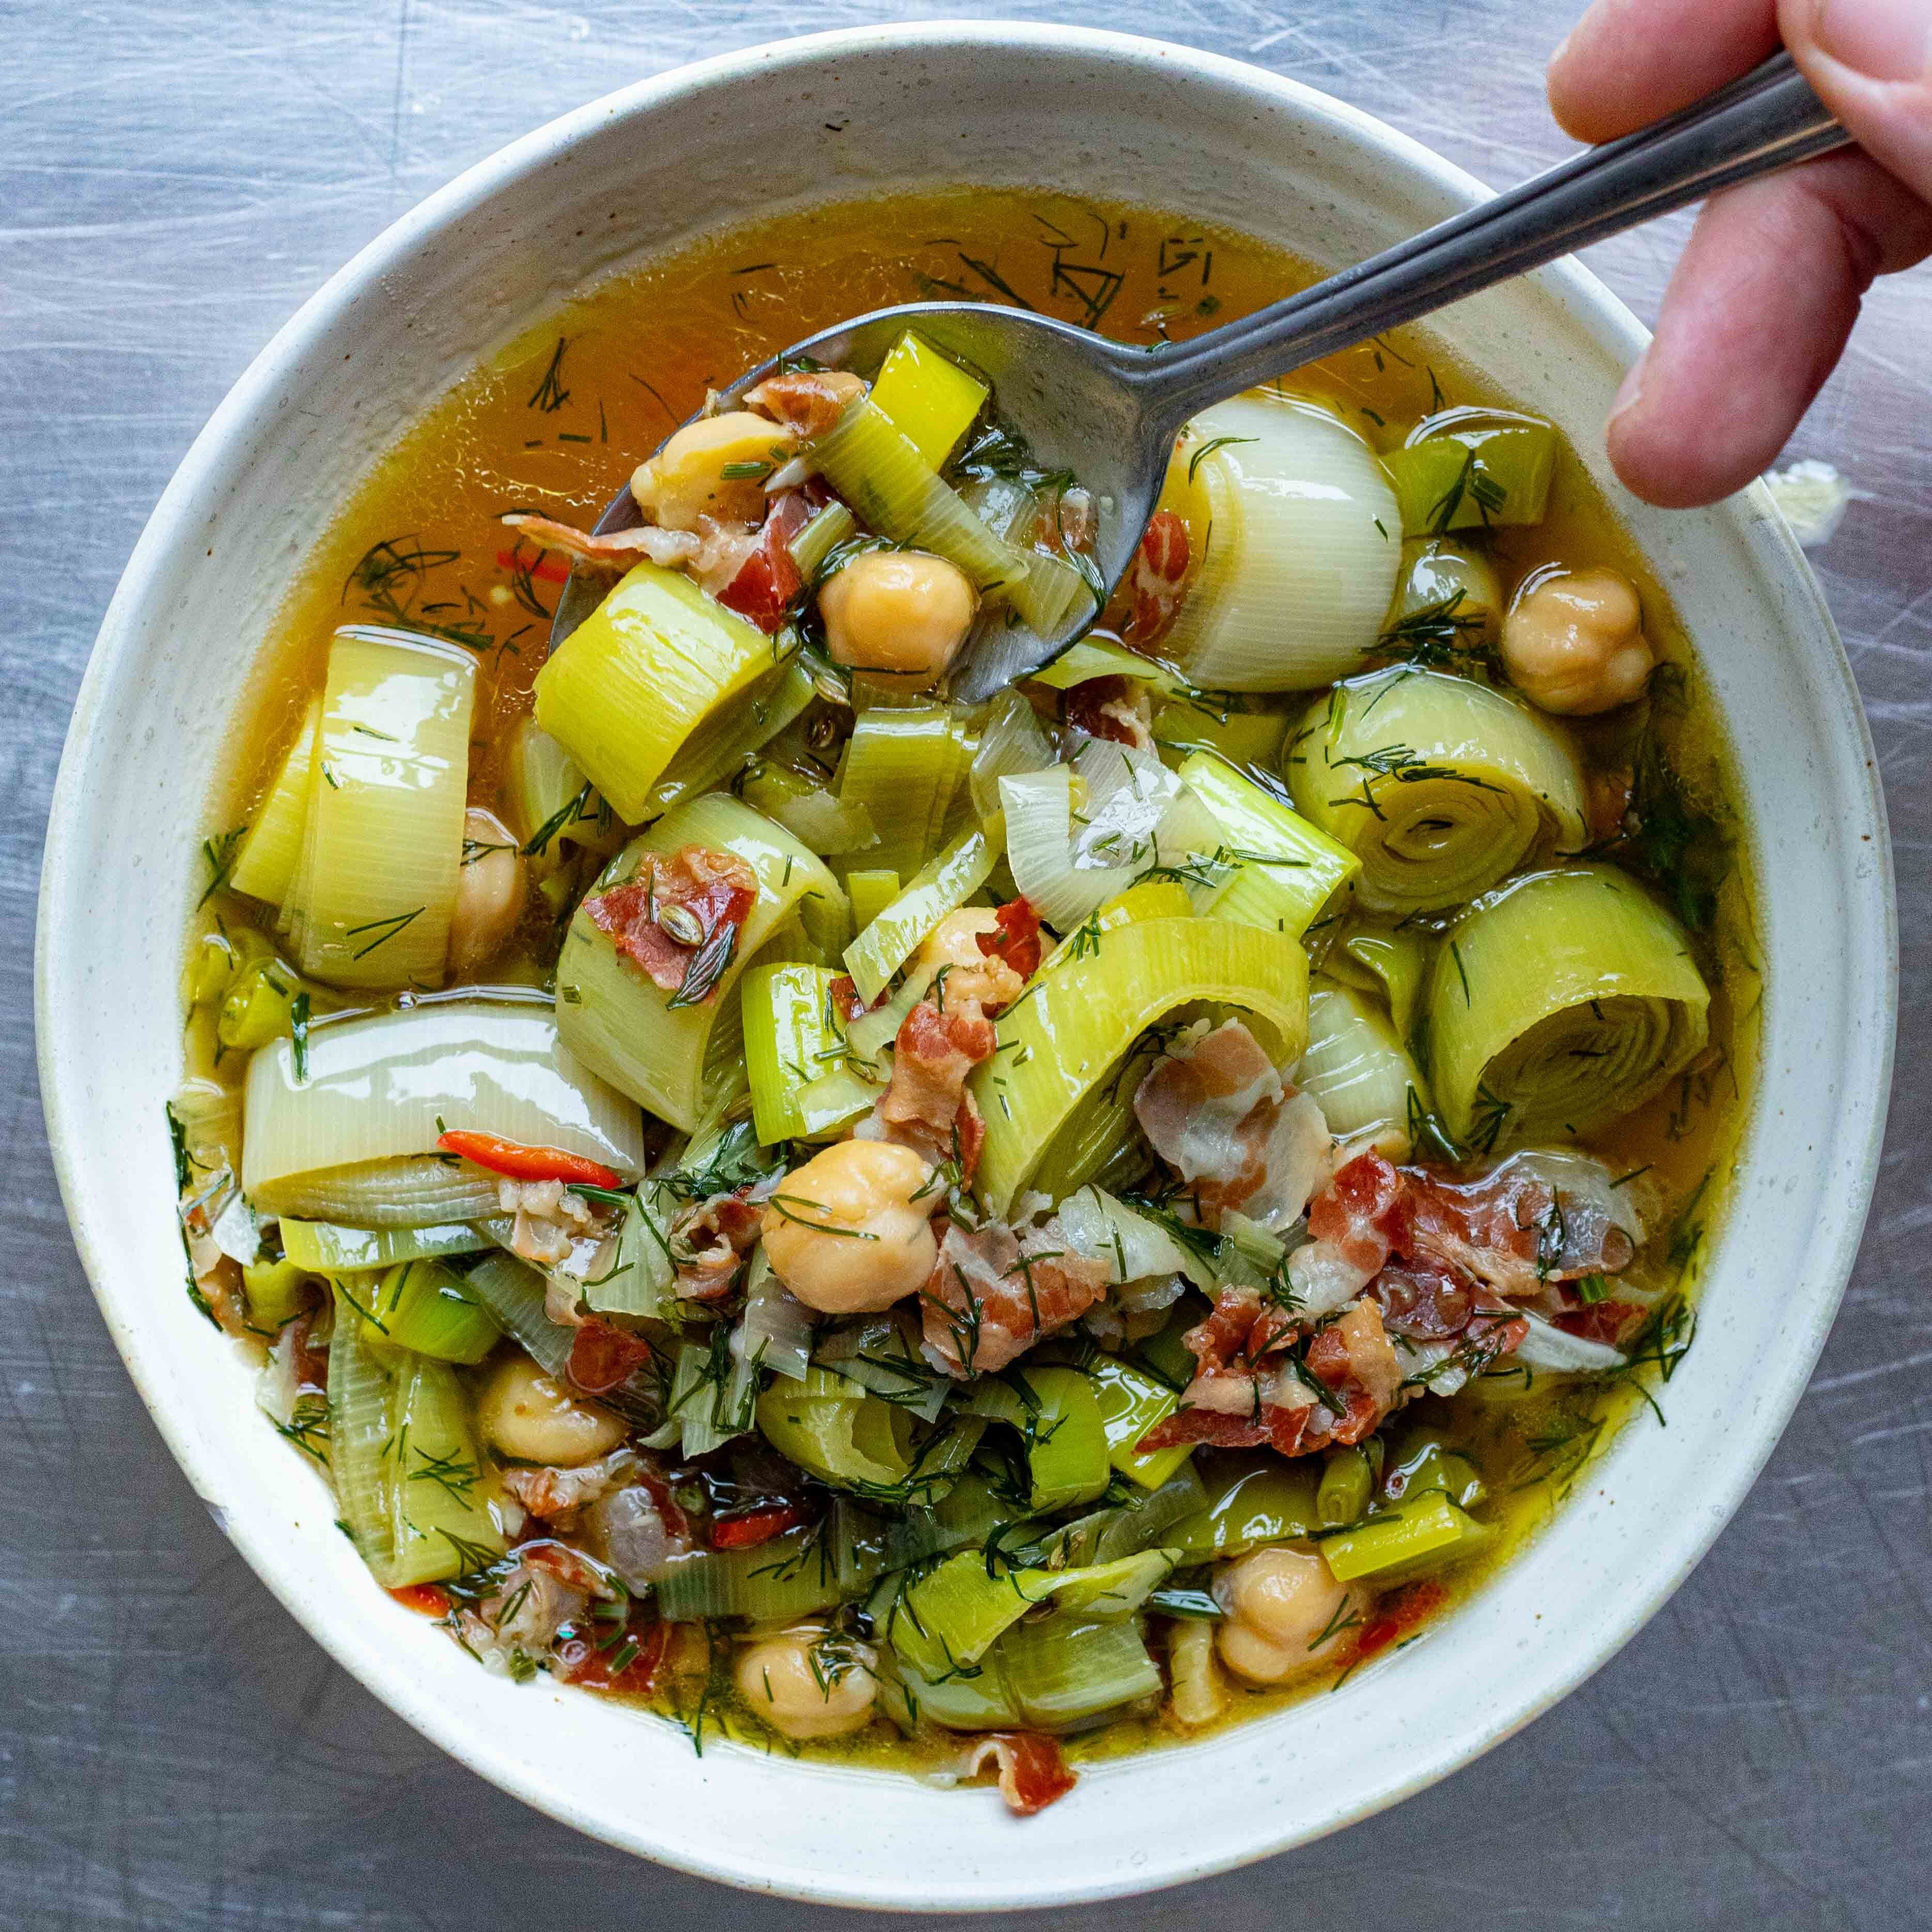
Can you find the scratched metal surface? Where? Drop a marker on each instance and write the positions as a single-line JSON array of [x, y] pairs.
[[174, 1751]]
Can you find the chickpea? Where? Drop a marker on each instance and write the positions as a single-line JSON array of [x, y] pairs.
[[897, 610], [491, 886], [953, 946], [1443, 575], [532, 1418], [1285, 1613], [848, 1232], [807, 1684], [686, 479], [1573, 642]]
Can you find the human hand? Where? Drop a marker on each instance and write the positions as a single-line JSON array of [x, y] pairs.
[[1759, 308]]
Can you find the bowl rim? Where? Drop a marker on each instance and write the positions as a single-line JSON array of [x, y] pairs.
[[1836, 1230]]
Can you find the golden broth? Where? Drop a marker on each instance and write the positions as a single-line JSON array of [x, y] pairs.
[[556, 423]]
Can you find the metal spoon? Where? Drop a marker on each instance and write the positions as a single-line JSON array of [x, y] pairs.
[[1110, 413]]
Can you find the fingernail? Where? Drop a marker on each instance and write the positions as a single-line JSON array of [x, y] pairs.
[[1883, 39], [1631, 392]]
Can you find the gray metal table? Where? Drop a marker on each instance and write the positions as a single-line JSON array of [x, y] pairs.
[[174, 1751]]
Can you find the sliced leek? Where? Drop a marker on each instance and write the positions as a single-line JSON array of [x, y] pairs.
[[551, 804], [1062, 1039], [732, 736], [359, 1426], [1288, 874], [325, 1248], [638, 676], [1291, 587], [269, 854], [881, 473], [386, 1087], [621, 1024], [1558, 1003], [941, 887], [1439, 784], [1360, 1073], [370, 902], [927, 397], [907, 769], [441, 1523], [794, 1038]]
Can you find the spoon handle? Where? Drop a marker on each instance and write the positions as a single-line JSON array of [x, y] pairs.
[[1769, 119]]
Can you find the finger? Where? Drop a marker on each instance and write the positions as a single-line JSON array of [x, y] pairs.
[[1756, 315], [1871, 62], [1628, 63]]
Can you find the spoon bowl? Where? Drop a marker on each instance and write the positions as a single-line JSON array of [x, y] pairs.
[[1110, 414]]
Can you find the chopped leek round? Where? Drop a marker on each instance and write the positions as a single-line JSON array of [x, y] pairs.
[[377, 1088], [632, 683], [266, 862], [1305, 542], [370, 902], [1440, 785], [1360, 1073], [1063, 1038], [624, 1027], [1559, 1002]]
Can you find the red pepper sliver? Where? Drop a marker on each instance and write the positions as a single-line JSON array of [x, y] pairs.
[[527, 1163], [754, 1527], [551, 569], [428, 1600]]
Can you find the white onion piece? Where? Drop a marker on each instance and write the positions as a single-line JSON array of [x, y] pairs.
[[1556, 1352], [377, 1088], [1103, 1229], [1135, 814], [1013, 742], [1307, 541]]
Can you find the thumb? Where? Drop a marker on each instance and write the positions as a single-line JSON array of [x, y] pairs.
[[1871, 62]]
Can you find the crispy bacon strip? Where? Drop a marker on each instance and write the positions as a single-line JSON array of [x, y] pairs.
[[932, 1055], [994, 1292], [1032, 1772], [1115, 708], [809, 400], [622, 1663], [1217, 1110], [1249, 1393], [715, 1235], [557, 1494], [768, 579], [1160, 567], [1017, 941], [616, 549], [603, 1358], [718, 888]]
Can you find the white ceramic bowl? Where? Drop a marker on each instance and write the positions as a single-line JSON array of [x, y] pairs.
[[854, 113]]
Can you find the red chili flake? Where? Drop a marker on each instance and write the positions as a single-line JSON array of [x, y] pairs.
[[427, 1600], [750, 1528], [520, 1162], [603, 1356], [552, 569], [623, 1663]]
